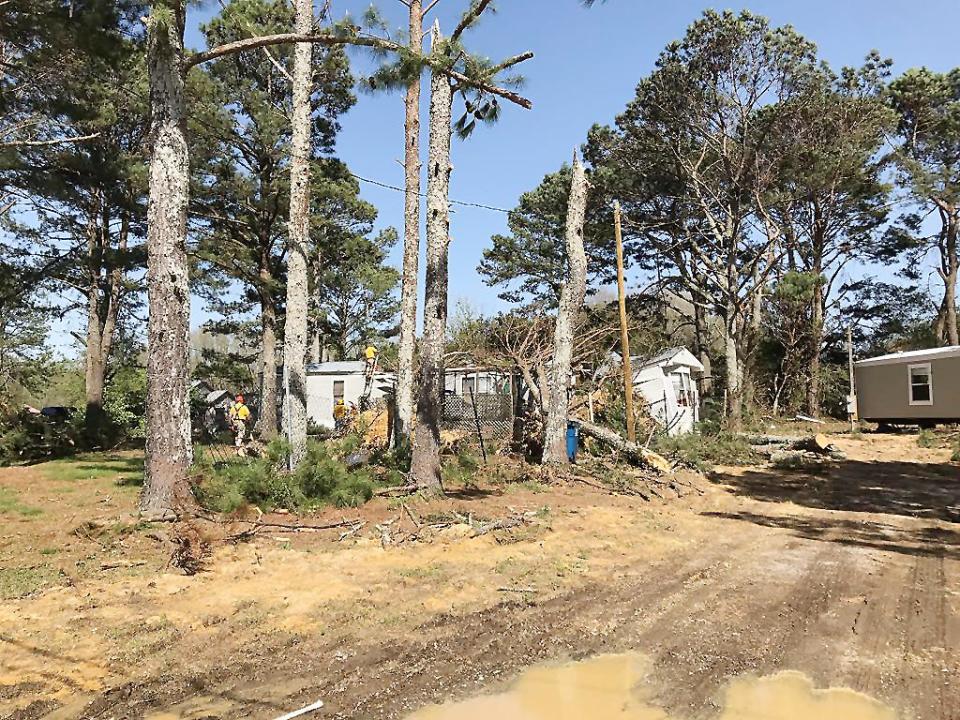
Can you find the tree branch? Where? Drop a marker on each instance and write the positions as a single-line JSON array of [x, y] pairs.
[[39, 143], [360, 41], [469, 18]]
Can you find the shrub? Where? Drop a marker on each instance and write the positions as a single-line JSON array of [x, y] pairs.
[[25, 437], [926, 439], [320, 479], [353, 492]]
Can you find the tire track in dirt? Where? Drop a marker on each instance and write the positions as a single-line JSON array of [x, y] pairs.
[[452, 655], [747, 599]]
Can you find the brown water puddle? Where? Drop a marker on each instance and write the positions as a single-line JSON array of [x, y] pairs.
[[609, 687]]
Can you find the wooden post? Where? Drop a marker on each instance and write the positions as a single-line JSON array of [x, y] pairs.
[[476, 419], [852, 400], [624, 335]]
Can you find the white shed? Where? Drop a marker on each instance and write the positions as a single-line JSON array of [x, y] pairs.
[[328, 382], [481, 381], [668, 382]]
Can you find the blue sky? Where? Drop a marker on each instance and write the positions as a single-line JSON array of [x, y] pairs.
[[586, 67]]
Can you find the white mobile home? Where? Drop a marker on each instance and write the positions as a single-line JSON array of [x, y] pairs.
[[668, 382], [331, 381], [921, 387], [481, 381]]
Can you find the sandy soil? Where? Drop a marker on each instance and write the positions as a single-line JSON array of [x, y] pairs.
[[850, 576]]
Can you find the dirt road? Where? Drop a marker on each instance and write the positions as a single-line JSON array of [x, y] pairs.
[[850, 576]]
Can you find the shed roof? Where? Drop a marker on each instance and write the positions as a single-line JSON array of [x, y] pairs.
[[671, 356], [341, 367], [215, 396], [911, 356]]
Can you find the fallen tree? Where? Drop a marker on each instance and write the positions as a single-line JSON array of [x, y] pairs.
[[635, 453]]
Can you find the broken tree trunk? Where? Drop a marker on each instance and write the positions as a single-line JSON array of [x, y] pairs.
[[169, 452], [295, 329], [636, 453], [425, 464], [411, 241], [571, 300]]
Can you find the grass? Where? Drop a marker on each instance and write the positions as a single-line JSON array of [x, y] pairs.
[[127, 469], [20, 582], [10, 504]]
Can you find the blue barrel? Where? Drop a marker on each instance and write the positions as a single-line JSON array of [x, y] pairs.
[[573, 441]]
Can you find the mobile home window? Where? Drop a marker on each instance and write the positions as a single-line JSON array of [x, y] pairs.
[[921, 384], [337, 390], [468, 386]]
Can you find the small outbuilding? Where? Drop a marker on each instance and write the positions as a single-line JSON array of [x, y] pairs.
[[920, 387], [332, 381], [668, 382]]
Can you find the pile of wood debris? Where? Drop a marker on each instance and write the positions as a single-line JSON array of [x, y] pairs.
[[780, 449]]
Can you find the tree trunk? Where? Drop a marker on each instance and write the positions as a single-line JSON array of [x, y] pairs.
[[103, 305], [950, 282], [411, 241], [571, 300], [169, 452], [816, 342], [734, 374], [295, 329], [702, 342], [267, 422], [315, 347], [635, 453], [425, 464], [95, 370]]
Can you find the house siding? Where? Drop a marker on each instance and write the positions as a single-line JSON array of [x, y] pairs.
[[883, 390]]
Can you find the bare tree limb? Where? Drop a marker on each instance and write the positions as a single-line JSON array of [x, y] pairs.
[[39, 143]]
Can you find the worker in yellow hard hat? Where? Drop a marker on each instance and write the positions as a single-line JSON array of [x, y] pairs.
[[370, 355], [239, 415], [339, 414]]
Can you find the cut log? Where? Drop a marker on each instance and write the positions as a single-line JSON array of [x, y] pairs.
[[754, 439], [634, 452], [815, 443]]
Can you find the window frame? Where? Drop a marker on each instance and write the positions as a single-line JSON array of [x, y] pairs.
[[910, 384], [343, 390]]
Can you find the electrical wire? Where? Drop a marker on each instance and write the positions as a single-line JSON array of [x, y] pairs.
[[462, 203]]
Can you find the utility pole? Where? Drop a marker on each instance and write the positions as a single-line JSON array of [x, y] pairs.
[[852, 399], [624, 335]]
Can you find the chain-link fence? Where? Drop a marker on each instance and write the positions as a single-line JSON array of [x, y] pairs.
[[493, 412]]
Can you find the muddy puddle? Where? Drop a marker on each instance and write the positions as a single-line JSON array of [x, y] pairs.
[[611, 687]]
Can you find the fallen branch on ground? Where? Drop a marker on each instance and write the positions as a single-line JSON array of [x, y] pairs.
[[635, 453], [399, 489], [122, 564]]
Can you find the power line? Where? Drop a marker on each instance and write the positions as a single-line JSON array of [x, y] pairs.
[[420, 194]]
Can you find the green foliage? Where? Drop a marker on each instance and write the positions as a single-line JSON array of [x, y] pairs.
[[926, 439], [321, 479], [703, 451], [25, 436], [530, 263], [124, 402]]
